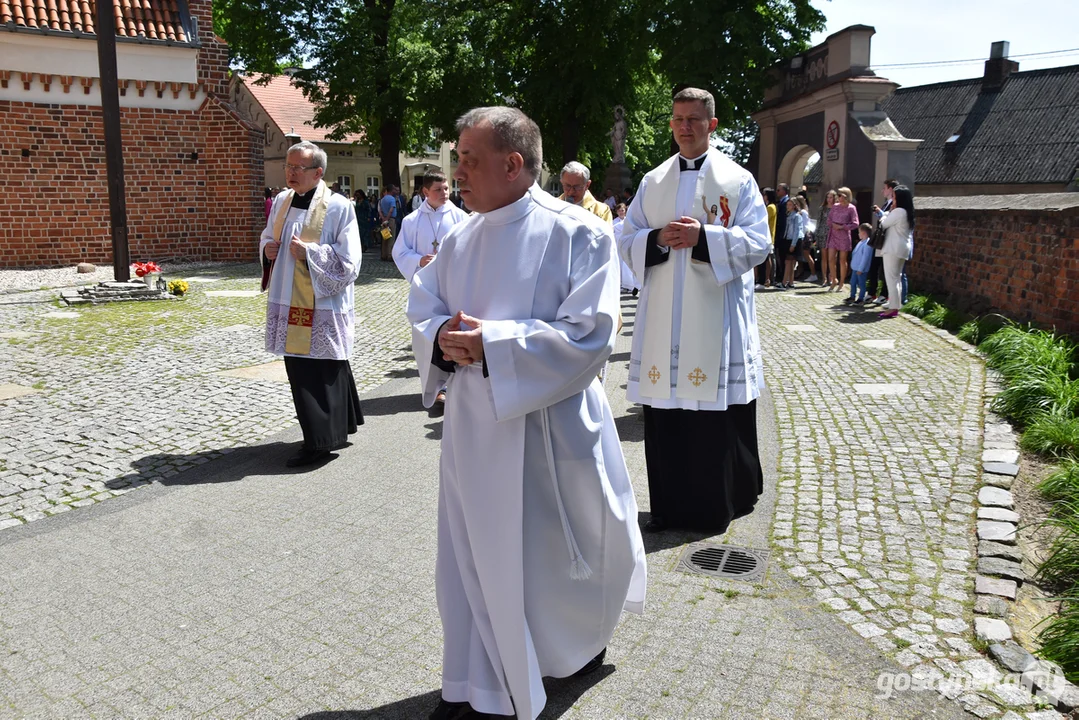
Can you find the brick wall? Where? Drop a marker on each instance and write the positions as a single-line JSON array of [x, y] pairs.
[[56, 200], [1016, 254]]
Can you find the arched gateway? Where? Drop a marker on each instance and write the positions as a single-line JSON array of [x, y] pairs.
[[827, 101]]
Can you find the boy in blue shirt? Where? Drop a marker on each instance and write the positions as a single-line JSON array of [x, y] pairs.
[[860, 261]]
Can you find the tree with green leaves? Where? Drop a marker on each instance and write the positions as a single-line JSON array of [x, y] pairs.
[[400, 73]]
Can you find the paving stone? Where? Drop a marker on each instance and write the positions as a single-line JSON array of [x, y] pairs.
[[990, 605], [10, 391], [1011, 695], [997, 455], [998, 514], [1001, 568], [1001, 532], [1043, 715], [994, 586], [995, 497], [886, 344], [1009, 469], [988, 548], [881, 388], [1004, 482], [1012, 656], [991, 629], [802, 328]]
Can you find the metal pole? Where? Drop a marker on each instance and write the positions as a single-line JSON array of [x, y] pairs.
[[114, 153]]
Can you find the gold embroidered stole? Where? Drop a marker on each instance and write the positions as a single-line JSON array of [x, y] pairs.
[[301, 311], [701, 340]]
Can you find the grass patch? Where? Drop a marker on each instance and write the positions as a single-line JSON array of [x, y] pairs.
[[1063, 483], [944, 317], [1052, 434], [1060, 639], [919, 305], [1060, 570], [974, 331]]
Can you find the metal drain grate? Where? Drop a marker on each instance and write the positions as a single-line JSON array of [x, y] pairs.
[[724, 561]]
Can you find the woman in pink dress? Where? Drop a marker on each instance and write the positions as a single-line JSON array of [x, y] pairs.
[[841, 220]]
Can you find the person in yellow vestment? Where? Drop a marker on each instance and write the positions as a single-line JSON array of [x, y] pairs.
[[575, 181], [311, 252]]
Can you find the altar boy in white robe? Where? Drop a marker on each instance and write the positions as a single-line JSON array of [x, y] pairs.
[[422, 232], [538, 546], [695, 361], [311, 254]]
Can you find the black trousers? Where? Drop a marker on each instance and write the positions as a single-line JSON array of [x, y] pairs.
[[875, 278], [704, 468], [327, 405]]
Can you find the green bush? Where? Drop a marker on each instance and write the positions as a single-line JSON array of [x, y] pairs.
[[1036, 392], [1063, 483], [1060, 639], [919, 305], [975, 331], [1053, 434], [1019, 351], [944, 317], [1061, 568]]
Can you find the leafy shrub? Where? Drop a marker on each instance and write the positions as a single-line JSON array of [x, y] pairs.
[[919, 305], [1060, 639], [1063, 483], [1053, 434]]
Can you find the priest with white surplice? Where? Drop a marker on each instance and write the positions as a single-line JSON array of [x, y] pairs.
[[538, 546], [311, 253], [695, 361]]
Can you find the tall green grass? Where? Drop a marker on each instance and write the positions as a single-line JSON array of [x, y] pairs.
[[1063, 483], [1059, 641], [1041, 393]]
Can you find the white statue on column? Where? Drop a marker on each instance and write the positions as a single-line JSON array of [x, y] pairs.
[[618, 135]]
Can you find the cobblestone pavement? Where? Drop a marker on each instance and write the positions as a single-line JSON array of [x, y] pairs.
[[881, 425], [241, 589], [123, 395], [231, 588]]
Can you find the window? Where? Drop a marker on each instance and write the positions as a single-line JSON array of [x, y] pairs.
[[345, 181], [372, 185]]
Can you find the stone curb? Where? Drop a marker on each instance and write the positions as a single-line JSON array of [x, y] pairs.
[[999, 574]]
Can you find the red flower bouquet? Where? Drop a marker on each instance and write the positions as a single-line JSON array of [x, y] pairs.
[[142, 269]]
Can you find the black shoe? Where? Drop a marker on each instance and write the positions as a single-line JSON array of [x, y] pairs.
[[655, 524], [634, 292], [307, 457], [592, 665], [451, 711]]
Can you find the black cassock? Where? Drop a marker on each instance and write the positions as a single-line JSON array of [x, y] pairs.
[[703, 466], [327, 404]]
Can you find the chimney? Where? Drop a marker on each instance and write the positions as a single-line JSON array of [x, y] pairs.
[[998, 67]]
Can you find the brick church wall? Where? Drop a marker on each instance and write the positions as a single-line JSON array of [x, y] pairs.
[[53, 177], [1015, 254]]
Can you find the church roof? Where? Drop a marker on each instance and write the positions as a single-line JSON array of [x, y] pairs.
[[290, 110], [1027, 132], [163, 20]]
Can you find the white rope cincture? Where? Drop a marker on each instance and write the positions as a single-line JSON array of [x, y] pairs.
[[578, 568]]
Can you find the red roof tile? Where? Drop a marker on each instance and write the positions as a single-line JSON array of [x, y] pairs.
[[286, 104], [150, 19]]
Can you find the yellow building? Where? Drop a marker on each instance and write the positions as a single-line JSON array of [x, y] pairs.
[[287, 117]]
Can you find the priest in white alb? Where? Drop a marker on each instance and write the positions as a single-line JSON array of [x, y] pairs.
[[695, 361], [422, 232], [538, 546], [310, 253]]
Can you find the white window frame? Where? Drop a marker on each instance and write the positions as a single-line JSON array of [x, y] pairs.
[[345, 181], [374, 185]]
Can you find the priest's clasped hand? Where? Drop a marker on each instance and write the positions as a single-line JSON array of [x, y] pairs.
[[271, 249], [461, 339], [426, 259], [298, 248], [681, 233]]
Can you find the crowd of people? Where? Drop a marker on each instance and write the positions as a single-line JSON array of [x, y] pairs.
[[803, 243]]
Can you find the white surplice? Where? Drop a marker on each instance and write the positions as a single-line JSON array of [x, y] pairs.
[[629, 282], [334, 265], [420, 232], [733, 253], [513, 531]]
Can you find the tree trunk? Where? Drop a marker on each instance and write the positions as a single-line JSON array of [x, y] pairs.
[[380, 13], [389, 152]]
